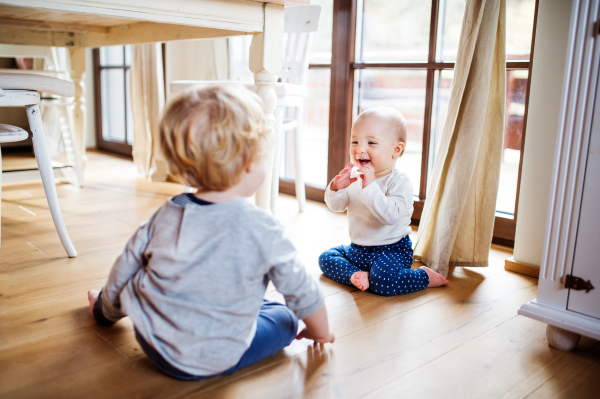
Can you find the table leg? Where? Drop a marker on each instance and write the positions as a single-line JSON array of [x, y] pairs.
[[265, 83], [266, 53], [77, 71]]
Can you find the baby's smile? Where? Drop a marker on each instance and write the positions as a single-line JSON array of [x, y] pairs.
[[363, 160]]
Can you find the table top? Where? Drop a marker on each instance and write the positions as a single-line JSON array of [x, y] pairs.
[[86, 23]]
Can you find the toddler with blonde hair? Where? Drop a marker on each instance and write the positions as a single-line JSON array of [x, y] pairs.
[[193, 277]]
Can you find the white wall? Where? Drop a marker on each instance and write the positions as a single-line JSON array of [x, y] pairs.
[[542, 126]]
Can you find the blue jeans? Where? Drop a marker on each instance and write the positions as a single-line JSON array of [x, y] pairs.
[[388, 266], [276, 328]]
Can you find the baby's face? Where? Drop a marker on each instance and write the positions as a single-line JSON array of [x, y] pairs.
[[372, 144]]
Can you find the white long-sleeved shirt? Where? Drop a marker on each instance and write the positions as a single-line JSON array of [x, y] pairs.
[[378, 214]]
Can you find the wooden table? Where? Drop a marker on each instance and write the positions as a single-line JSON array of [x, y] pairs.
[[77, 24]]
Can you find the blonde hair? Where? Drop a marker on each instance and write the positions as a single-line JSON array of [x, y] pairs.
[[391, 116], [209, 135]]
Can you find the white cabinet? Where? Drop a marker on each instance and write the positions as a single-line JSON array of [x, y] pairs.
[[569, 287], [586, 262]]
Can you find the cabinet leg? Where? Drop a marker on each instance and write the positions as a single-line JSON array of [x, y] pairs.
[[562, 339]]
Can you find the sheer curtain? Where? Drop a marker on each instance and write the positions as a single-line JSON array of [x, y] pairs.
[[457, 223], [147, 101], [204, 59]]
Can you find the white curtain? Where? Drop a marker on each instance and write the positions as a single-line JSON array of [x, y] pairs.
[[147, 102], [204, 59], [185, 60], [457, 223]]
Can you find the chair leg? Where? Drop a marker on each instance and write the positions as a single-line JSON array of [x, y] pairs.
[[277, 157], [45, 167], [70, 145], [300, 190]]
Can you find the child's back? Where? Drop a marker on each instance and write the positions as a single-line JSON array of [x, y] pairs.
[[197, 296]]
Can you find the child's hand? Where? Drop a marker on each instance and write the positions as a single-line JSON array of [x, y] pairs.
[[92, 297], [343, 180], [305, 333], [367, 174]]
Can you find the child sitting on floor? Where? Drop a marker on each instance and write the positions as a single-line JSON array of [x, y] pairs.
[[379, 200], [193, 277]]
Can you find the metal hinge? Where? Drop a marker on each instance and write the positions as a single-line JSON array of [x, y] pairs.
[[578, 284]]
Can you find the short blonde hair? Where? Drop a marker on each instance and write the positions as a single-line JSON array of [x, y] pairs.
[[210, 134], [391, 116]]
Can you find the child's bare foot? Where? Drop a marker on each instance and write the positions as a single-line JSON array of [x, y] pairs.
[[92, 297], [360, 280], [435, 279]]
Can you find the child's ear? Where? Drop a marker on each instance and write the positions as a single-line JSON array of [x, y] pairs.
[[399, 149], [254, 165]]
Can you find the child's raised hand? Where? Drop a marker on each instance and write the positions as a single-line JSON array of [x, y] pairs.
[[343, 179], [367, 174], [305, 333]]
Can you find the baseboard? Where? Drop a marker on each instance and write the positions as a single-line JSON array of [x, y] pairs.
[[527, 269]]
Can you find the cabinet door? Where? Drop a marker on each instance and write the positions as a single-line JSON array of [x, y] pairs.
[[586, 262]]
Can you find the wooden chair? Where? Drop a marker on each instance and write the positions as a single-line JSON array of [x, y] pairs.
[[18, 90], [300, 24], [52, 66]]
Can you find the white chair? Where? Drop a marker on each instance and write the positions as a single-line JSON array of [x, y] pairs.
[[55, 64], [300, 24], [18, 90]]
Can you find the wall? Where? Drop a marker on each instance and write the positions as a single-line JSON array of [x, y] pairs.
[[542, 126]]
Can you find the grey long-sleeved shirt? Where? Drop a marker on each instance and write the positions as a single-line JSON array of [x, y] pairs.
[[193, 277]]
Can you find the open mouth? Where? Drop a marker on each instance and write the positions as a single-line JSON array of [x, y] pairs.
[[363, 162]]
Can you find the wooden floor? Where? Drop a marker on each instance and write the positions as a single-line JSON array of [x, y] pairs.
[[462, 341]]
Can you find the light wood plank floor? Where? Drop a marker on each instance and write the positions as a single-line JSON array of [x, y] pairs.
[[461, 341]]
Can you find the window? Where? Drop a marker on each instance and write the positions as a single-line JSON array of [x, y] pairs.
[[401, 54], [114, 131]]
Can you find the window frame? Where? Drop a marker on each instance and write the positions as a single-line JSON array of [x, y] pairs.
[[343, 66], [117, 147]]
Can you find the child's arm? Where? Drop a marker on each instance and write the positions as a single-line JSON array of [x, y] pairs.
[[317, 327], [105, 306], [391, 207], [301, 291], [336, 196]]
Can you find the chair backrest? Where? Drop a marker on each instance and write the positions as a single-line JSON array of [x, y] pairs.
[[36, 82], [300, 23], [56, 60]]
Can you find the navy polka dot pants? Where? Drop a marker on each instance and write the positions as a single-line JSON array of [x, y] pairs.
[[388, 267]]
